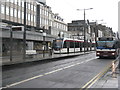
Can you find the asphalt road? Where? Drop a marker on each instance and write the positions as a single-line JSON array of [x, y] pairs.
[[72, 72]]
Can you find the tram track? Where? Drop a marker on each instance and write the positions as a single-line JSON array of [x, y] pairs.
[[48, 73], [74, 72]]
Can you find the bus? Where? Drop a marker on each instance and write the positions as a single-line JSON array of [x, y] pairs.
[[69, 45], [107, 47]]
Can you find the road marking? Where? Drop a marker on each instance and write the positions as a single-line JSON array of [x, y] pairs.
[[101, 74], [57, 70], [23, 81], [97, 77]]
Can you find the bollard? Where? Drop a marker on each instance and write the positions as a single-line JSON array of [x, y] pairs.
[[113, 69]]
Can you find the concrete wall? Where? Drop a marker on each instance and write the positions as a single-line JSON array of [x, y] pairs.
[[29, 35]]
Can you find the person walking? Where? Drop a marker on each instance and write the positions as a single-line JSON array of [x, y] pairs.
[[50, 51]]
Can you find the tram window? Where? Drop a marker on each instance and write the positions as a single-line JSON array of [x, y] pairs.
[[71, 44], [77, 44], [81, 44], [65, 44]]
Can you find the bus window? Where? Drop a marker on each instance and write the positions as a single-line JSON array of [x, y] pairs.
[[105, 44]]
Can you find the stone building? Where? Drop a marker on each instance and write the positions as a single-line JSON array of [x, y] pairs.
[[39, 19]]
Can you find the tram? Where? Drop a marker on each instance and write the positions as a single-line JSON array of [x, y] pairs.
[[68, 45], [107, 47]]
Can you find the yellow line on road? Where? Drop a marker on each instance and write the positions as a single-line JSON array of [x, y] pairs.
[[97, 77]]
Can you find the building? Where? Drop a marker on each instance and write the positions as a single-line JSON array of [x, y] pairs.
[[100, 30], [77, 28], [39, 19], [59, 27]]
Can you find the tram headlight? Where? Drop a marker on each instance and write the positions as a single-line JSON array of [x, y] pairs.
[[113, 53]]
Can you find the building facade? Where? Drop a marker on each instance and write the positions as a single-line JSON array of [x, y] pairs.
[[77, 27], [59, 27], [39, 19]]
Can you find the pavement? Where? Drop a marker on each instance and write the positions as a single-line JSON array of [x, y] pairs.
[[109, 81], [38, 57]]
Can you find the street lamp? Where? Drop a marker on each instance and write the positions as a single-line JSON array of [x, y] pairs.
[[11, 41], [84, 24], [44, 35], [24, 33]]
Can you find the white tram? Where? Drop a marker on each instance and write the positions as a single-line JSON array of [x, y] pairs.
[[67, 45]]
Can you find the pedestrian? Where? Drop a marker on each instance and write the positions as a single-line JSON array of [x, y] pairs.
[[50, 50]]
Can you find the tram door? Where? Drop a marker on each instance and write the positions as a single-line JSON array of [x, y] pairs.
[[80, 45], [68, 46]]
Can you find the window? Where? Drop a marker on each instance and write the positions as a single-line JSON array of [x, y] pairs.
[[28, 5], [11, 11], [22, 3], [15, 1], [31, 18], [40, 10], [22, 15], [40, 21], [45, 13], [12, 1], [28, 17], [2, 9], [7, 10], [34, 8], [15, 13], [19, 2], [72, 44], [31, 7], [19, 14], [34, 19]]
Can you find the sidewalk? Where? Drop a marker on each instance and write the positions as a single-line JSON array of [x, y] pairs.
[[38, 57], [108, 81]]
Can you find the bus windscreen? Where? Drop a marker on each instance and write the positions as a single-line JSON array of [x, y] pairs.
[[105, 45]]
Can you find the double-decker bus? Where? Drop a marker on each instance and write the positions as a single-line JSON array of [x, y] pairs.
[[107, 47]]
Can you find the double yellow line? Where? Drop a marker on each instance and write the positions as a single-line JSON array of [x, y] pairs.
[[97, 77]]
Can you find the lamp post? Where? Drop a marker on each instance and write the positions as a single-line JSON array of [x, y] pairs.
[[11, 41], [24, 33], [84, 24], [44, 35]]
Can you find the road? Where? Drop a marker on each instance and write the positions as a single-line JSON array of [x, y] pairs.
[[72, 72]]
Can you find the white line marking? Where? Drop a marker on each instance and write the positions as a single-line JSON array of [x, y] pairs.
[[60, 69]]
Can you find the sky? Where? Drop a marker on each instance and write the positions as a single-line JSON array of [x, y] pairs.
[[104, 11]]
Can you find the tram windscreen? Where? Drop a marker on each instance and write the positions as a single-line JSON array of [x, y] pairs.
[[105, 44], [58, 43]]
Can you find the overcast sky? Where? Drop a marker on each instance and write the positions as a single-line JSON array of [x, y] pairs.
[[102, 9]]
